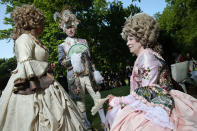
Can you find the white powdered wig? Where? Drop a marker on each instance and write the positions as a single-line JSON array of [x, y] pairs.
[[77, 63], [98, 77]]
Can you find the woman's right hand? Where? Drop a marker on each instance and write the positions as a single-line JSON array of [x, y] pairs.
[[110, 97]]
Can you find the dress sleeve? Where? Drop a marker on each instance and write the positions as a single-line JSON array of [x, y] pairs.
[[62, 59], [27, 66], [62, 54], [148, 69]]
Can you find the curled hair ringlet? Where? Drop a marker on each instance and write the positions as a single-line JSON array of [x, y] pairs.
[[26, 18], [144, 29], [66, 7]]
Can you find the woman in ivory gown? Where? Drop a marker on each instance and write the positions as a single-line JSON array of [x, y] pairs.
[[153, 104], [33, 100]]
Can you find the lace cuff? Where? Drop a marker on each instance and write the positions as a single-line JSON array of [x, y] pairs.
[[122, 100], [115, 101]]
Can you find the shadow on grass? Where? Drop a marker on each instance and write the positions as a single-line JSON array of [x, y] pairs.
[[95, 120]]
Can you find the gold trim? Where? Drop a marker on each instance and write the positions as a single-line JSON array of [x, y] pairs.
[[38, 42]]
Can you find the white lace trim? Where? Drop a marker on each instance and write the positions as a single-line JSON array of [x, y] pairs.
[[155, 114]]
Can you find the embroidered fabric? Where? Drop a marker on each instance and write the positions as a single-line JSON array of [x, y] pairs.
[[68, 42], [146, 65]]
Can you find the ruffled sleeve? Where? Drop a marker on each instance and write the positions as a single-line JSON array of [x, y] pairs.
[[27, 66]]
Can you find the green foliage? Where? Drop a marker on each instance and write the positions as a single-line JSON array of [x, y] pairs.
[[101, 24], [100, 6], [6, 66], [179, 21], [5, 34]]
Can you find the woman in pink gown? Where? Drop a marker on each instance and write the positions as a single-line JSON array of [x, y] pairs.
[[152, 103]]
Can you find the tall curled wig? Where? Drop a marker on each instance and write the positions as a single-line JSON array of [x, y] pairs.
[[26, 18], [144, 29], [66, 18]]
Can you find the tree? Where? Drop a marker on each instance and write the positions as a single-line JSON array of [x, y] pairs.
[[6, 66], [179, 21]]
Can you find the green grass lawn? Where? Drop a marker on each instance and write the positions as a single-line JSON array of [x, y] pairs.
[[95, 120]]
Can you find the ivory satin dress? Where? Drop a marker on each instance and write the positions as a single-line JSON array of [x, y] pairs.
[[49, 109]]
